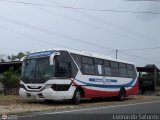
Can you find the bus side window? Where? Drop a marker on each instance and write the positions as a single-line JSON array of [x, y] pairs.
[[98, 66], [123, 70], [63, 65], [78, 60], [63, 69], [134, 71], [107, 69], [73, 65], [88, 66], [130, 71], [115, 72]]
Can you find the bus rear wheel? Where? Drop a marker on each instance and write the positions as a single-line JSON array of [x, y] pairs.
[[121, 95], [76, 98]]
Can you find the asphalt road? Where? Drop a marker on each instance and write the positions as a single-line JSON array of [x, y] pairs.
[[141, 111]]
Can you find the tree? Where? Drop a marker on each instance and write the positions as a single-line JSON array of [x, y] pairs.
[[10, 78], [151, 75], [151, 66], [18, 56]]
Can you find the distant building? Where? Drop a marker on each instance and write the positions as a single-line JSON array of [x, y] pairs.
[[150, 82], [5, 66]]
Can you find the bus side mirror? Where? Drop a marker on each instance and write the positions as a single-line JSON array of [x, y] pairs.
[[51, 59]]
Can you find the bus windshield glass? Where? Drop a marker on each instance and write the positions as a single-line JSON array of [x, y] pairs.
[[37, 70]]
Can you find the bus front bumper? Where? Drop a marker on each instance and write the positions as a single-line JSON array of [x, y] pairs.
[[47, 94]]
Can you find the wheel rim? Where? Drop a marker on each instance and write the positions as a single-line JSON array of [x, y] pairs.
[[78, 96], [122, 95]]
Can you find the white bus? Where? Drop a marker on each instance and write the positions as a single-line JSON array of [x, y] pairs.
[[62, 74]]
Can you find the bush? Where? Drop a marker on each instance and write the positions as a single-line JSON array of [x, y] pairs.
[[158, 82], [11, 79]]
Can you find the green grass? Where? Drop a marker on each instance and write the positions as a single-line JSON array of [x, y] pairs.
[[9, 97]]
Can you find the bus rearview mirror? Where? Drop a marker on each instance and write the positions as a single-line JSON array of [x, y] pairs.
[[52, 57]]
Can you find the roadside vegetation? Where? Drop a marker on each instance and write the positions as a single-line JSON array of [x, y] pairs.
[[13, 104], [151, 74], [17, 57], [10, 81], [11, 78]]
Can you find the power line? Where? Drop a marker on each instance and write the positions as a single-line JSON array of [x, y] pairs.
[[139, 57], [106, 22], [87, 9], [91, 25], [113, 51], [149, 40], [97, 27], [67, 37], [30, 26], [141, 49], [63, 46], [51, 32], [30, 37], [144, 0], [94, 26], [8, 49], [33, 38]]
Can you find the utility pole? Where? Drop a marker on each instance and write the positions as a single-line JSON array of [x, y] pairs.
[[116, 54], [155, 78]]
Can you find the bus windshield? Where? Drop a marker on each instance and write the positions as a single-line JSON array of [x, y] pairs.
[[37, 70]]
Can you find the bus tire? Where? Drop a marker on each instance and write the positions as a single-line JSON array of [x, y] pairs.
[[77, 97], [121, 95]]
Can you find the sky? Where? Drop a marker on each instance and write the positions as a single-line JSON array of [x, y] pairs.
[[98, 27]]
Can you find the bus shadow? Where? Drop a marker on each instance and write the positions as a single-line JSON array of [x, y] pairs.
[[83, 101]]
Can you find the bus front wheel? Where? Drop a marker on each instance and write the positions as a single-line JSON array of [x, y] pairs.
[[77, 97]]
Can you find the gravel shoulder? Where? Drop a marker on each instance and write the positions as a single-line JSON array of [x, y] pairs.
[[16, 105]]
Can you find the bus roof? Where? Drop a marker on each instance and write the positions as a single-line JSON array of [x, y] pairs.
[[84, 53], [91, 54]]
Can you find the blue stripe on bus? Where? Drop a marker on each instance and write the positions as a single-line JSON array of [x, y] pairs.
[[130, 84], [40, 54], [101, 80]]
